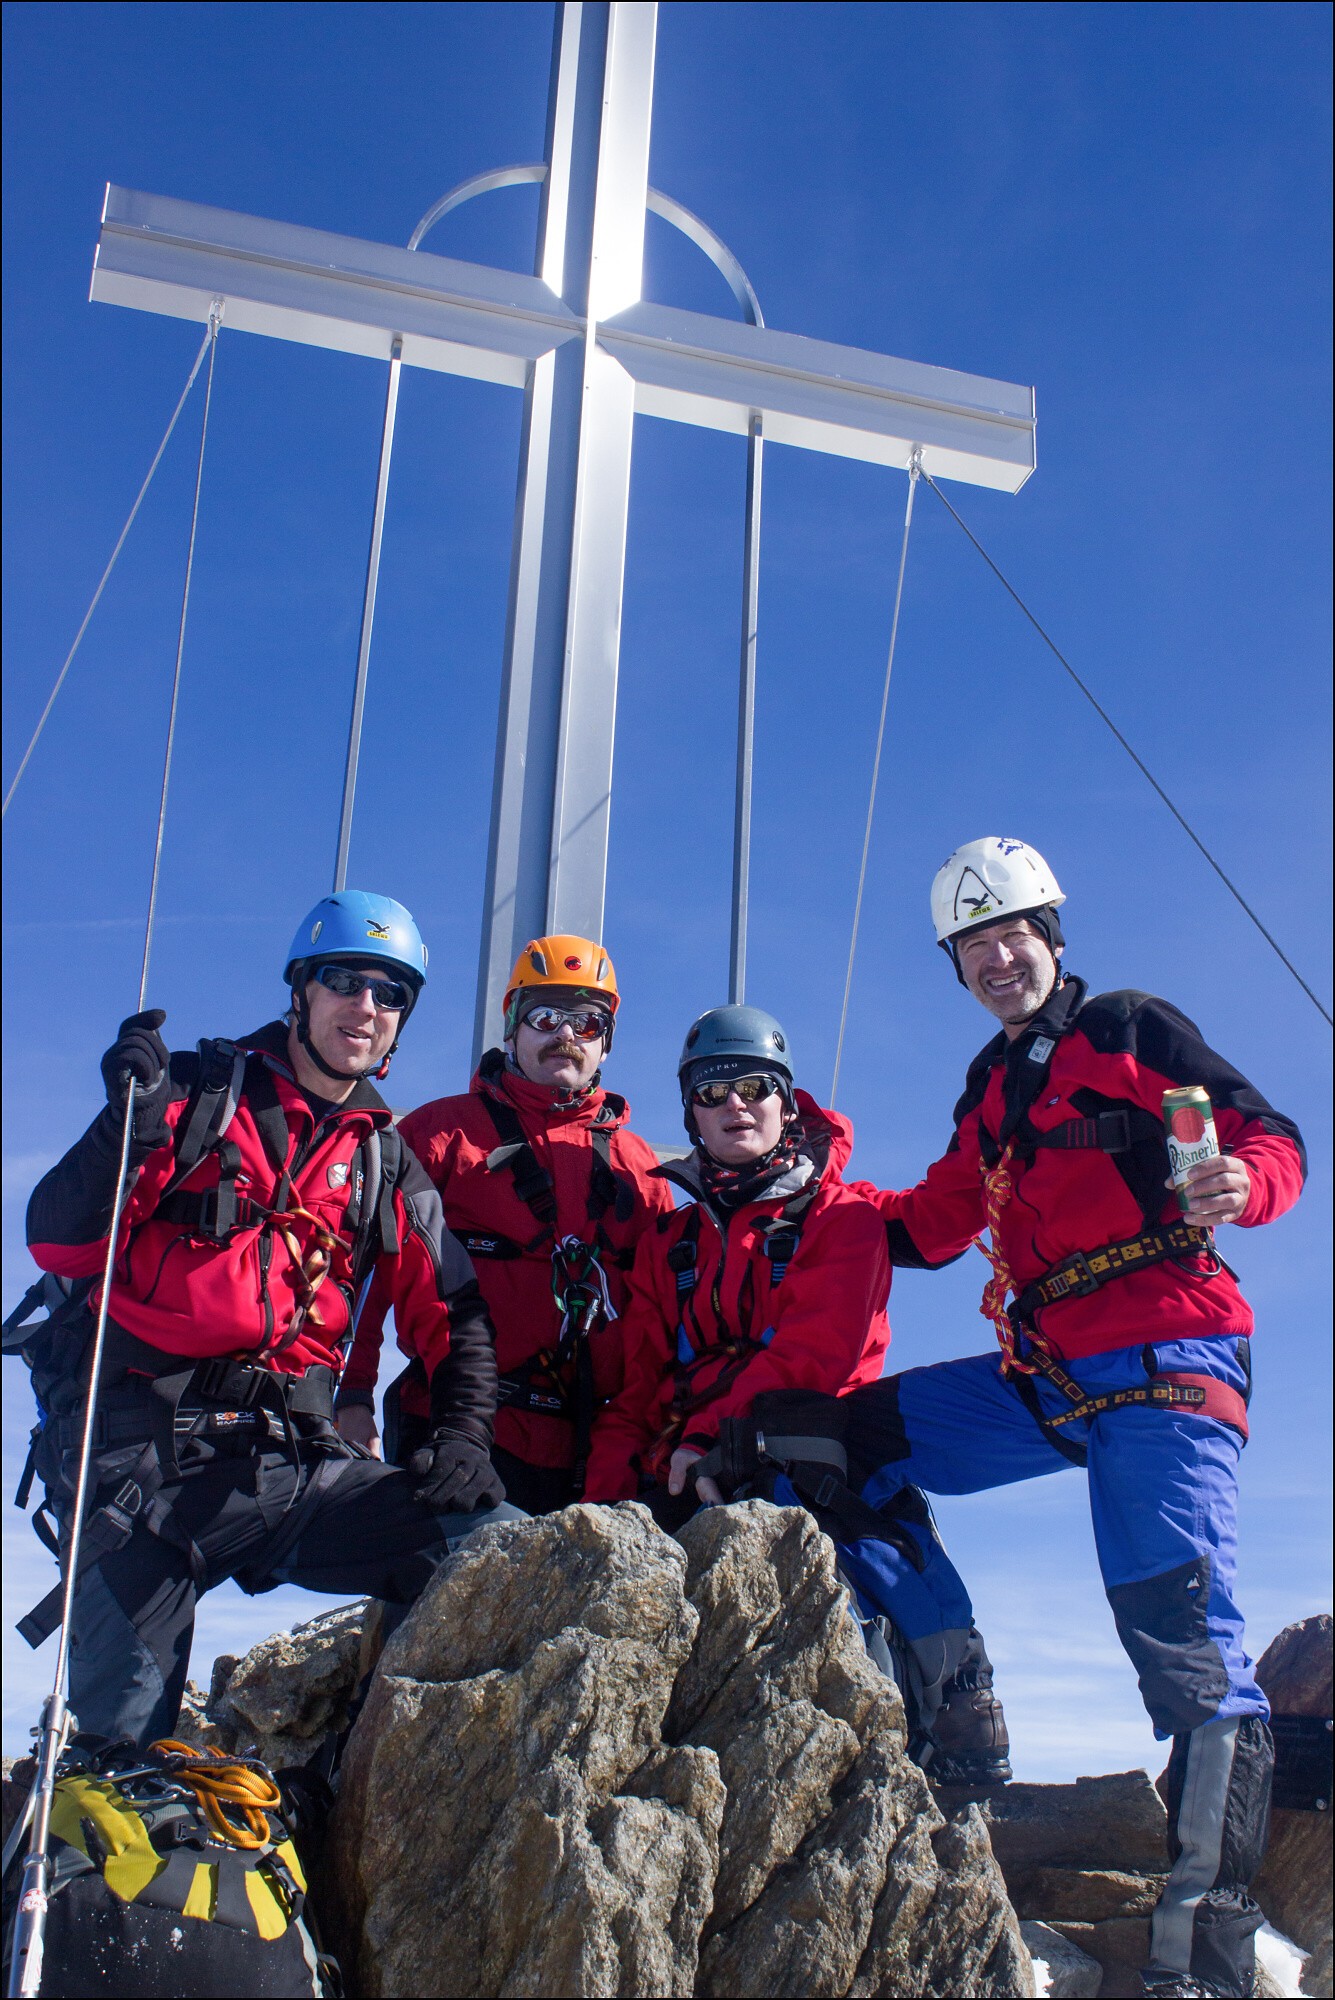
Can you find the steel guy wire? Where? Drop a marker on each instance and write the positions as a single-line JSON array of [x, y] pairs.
[[1137, 760], [915, 467], [212, 340], [106, 574]]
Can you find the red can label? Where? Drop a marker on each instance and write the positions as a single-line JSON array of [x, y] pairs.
[[1188, 1118]]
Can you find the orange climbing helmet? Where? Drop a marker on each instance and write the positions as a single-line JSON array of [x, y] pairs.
[[575, 964]]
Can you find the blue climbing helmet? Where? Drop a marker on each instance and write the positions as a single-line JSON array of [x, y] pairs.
[[358, 928], [353, 925], [734, 1041]]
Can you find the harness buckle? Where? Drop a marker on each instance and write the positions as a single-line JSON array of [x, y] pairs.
[[1075, 1280]]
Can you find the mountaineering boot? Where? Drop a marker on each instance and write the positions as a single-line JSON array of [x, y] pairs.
[[971, 1748], [1180, 1986]]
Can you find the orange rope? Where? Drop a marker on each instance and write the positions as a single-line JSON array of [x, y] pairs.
[[998, 1187], [226, 1782], [312, 1269]]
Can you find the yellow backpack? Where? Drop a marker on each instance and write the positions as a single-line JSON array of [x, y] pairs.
[[173, 1872]]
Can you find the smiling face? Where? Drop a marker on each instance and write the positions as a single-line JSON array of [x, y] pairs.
[[1010, 969], [734, 1133], [556, 1056], [352, 1034]]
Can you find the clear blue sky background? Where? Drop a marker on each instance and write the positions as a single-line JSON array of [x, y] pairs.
[[1126, 205]]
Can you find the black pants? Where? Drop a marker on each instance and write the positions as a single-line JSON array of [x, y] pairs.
[[134, 1613]]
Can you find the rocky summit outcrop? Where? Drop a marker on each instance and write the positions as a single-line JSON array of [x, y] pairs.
[[595, 1760], [1087, 1861], [282, 1699], [599, 1761], [1294, 1886]]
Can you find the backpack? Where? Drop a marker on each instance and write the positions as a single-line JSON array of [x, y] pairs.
[[173, 1871]]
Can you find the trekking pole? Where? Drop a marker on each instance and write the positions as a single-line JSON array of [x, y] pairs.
[[57, 1724]]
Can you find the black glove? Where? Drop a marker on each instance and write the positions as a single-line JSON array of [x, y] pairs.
[[139, 1052], [457, 1475]]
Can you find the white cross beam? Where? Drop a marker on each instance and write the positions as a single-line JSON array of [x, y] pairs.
[[589, 353]]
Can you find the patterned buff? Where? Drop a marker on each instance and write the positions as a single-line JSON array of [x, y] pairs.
[[732, 1187], [997, 1190]]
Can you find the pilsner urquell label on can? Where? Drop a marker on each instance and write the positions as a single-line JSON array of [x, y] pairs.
[[1188, 1118]]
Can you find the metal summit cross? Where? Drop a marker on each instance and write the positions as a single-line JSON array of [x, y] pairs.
[[590, 354]]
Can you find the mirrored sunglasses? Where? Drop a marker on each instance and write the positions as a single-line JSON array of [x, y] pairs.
[[751, 1090], [341, 979], [587, 1024]]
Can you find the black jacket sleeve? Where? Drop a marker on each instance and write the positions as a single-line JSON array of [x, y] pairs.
[[438, 1305]]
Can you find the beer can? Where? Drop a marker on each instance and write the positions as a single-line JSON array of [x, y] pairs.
[[1188, 1118]]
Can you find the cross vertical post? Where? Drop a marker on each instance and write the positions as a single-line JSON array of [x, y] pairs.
[[551, 801]]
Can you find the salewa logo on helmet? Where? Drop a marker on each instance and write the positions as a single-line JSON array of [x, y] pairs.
[[375, 930], [573, 964], [973, 902], [1009, 846]]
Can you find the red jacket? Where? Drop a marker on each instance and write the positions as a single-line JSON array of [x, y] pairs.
[[245, 1295], [1079, 1058], [512, 1250], [816, 1322]]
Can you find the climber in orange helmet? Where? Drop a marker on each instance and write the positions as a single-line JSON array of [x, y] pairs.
[[549, 1191]]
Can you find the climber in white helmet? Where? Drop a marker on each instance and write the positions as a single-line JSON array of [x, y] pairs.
[[1123, 1346]]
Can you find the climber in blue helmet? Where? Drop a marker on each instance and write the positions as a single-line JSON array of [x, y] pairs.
[[267, 1186]]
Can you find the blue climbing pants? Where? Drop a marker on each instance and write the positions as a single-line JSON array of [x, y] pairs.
[[1163, 1499]]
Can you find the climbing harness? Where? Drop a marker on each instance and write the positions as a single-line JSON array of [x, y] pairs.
[[557, 1380], [1024, 1352], [782, 1234]]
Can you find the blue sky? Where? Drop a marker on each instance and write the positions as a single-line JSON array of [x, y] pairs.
[[1125, 205]]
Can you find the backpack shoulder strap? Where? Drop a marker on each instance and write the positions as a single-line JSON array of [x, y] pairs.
[[608, 1188], [388, 1150], [783, 1232], [684, 1255], [210, 1106], [533, 1184]]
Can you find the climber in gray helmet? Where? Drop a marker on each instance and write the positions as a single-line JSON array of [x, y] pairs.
[[773, 1278]]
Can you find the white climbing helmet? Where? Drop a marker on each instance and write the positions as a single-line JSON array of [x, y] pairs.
[[987, 879]]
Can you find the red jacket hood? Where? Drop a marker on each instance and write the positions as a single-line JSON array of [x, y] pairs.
[[494, 1077], [839, 1128]]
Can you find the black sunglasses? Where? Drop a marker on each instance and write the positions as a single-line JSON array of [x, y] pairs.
[[751, 1090], [341, 979]]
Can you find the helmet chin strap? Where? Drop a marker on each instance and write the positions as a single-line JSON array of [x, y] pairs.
[[303, 1014]]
